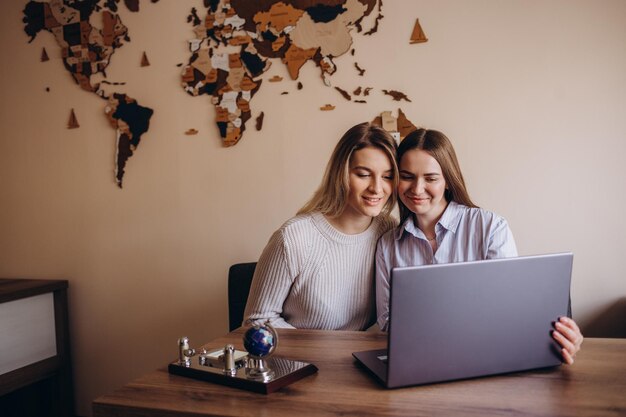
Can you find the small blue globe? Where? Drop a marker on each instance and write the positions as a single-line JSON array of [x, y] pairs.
[[260, 341]]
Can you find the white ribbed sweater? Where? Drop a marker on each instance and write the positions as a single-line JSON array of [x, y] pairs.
[[310, 275]]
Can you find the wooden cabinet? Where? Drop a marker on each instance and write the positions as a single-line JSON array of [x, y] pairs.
[[35, 365]]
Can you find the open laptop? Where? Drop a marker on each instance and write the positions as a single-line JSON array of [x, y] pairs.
[[470, 319]]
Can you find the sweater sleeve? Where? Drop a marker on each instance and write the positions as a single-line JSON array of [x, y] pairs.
[[271, 284]]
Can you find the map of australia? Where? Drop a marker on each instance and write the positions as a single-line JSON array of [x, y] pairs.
[[235, 39]]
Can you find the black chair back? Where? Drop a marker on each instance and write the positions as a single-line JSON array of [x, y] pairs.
[[239, 281]]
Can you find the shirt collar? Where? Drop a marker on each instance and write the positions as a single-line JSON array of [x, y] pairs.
[[449, 220], [451, 216]]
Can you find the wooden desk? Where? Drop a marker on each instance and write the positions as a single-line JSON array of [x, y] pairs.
[[594, 386]]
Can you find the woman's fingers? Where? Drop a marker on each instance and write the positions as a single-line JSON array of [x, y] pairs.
[[567, 357], [568, 335]]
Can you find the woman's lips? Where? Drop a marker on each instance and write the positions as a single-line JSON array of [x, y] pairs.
[[372, 200]]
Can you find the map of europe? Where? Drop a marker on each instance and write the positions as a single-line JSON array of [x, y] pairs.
[[233, 45]]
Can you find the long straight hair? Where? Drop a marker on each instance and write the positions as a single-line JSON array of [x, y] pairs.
[[332, 195], [440, 148]]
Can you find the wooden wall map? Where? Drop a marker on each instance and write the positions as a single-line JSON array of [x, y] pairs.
[[294, 31], [234, 44]]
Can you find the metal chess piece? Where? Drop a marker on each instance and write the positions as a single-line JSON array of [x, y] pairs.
[[185, 352], [229, 360]]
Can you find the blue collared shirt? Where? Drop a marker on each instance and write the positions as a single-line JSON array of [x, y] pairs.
[[463, 234]]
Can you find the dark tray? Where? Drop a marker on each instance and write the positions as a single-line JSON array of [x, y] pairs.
[[285, 372]]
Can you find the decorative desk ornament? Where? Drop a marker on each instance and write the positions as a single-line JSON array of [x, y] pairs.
[[260, 341], [184, 351], [252, 371]]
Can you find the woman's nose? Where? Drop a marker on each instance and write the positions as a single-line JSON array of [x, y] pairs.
[[376, 185], [418, 186]]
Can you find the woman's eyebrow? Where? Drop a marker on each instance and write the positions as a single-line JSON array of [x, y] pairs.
[[428, 174], [369, 169]]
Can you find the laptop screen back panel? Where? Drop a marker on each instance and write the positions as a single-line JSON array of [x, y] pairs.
[[473, 319]]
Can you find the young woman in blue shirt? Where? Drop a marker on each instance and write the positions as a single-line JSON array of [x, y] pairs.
[[439, 223]]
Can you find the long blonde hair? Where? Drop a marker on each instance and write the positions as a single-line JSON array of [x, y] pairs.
[[332, 194], [440, 148]]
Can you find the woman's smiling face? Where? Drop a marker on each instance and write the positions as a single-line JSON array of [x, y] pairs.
[[370, 182], [421, 185]]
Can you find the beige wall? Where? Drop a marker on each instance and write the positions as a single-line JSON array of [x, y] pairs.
[[532, 93]]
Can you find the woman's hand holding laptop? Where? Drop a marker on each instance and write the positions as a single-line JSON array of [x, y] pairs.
[[569, 337]]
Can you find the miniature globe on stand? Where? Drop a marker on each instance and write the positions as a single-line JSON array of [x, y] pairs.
[[260, 341]]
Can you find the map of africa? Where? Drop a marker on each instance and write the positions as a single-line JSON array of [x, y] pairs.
[[233, 43]]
